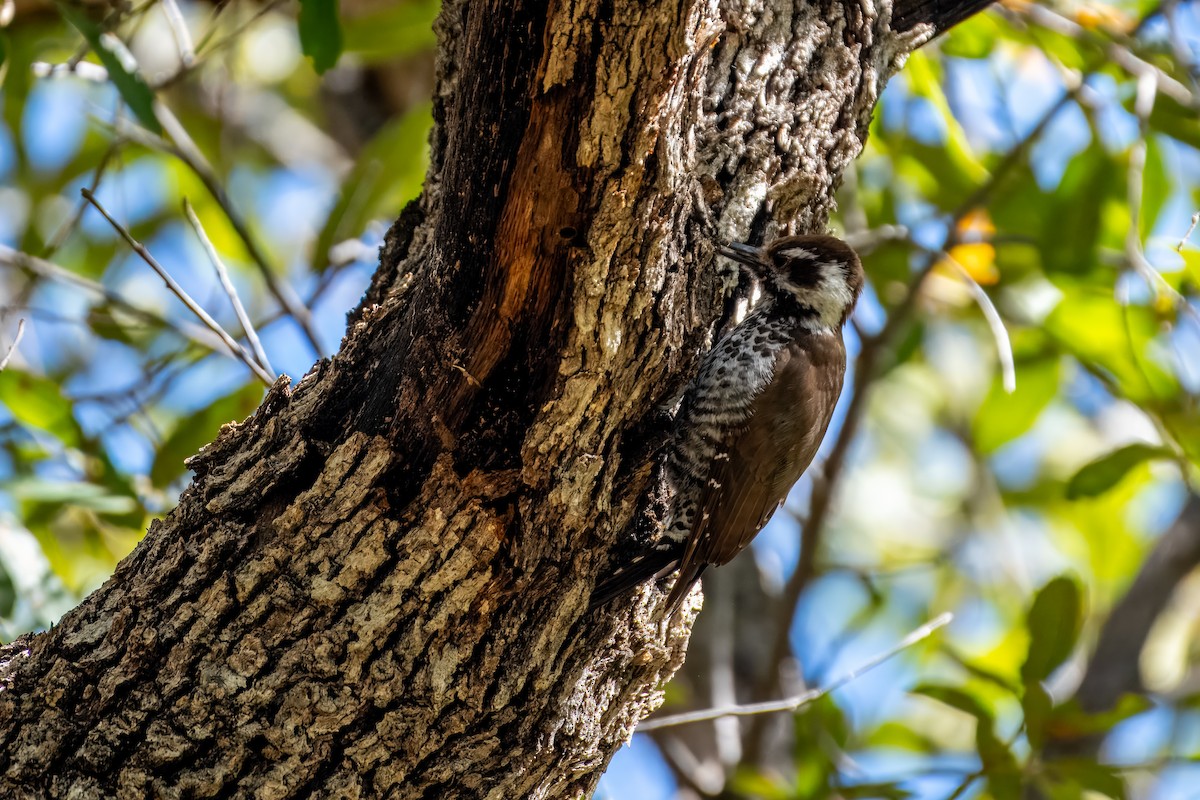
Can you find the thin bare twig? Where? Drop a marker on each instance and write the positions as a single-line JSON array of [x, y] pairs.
[[190, 154], [64, 230], [1119, 54], [1188, 234], [223, 276], [1179, 46], [208, 46], [184, 148], [793, 703], [179, 30], [12, 348], [704, 779], [1143, 105], [51, 271], [866, 240], [82, 69], [177, 290], [967, 780], [1008, 367]]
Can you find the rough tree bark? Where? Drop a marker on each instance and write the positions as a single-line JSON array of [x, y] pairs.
[[377, 584]]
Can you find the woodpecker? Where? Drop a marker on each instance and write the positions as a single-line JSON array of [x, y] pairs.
[[752, 419]]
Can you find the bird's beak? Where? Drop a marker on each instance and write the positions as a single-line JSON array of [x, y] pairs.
[[741, 253], [747, 255]]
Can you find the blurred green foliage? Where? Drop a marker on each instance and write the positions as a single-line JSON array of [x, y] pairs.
[[115, 384], [320, 32]]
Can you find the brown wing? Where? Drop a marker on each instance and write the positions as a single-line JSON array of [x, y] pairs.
[[767, 457]]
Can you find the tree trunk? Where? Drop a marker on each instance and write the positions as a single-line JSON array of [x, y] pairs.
[[377, 585]]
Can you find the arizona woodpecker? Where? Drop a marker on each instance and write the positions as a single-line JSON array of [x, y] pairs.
[[752, 419]]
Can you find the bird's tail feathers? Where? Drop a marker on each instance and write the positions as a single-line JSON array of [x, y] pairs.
[[683, 586], [645, 566]]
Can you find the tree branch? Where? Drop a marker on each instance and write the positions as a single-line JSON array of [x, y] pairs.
[[802, 699], [1113, 668], [941, 14], [173, 286], [12, 348]]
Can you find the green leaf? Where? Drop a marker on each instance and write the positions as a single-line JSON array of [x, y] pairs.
[[923, 81], [955, 698], [112, 53], [3, 70], [823, 719], [1089, 324], [388, 173], [1097, 477], [972, 38], [752, 783], [1100, 778], [1156, 187], [982, 673], [38, 402], [892, 735], [80, 552], [1174, 119], [110, 322], [394, 31], [1089, 183], [1053, 623], [872, 791], [889, 266], [999, 764], [8, 592], [56, 494], [1003, 417], [1183, 422], [320, 32], [1037, 705], [812, 778], [1018, 210], [1079, 777], [908, 346], [1069, 721], [1073, 52], [935, 178], [199, 429], [1187, 280]]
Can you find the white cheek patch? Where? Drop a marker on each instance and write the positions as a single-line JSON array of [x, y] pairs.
[[830, 297]]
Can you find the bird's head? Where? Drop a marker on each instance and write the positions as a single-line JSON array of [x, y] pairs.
[[820, 273]]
